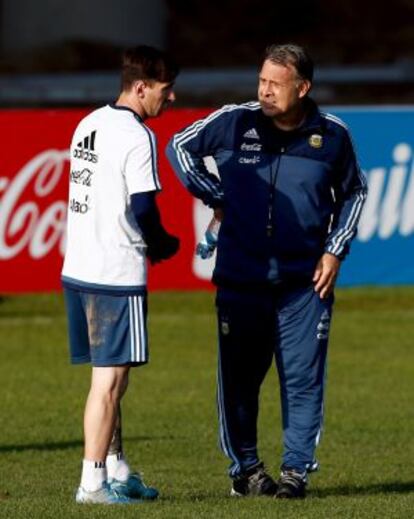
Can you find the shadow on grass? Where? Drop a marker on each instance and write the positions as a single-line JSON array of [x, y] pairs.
[[51, 446], [61, 446], [391, 487]]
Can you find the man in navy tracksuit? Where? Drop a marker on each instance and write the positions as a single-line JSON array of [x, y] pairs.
[[289, 195]]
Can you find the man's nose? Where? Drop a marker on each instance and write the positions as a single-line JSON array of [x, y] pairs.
[[265, 90]]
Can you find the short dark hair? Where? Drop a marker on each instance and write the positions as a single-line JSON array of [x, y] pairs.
[[147, 63], [291, 54]]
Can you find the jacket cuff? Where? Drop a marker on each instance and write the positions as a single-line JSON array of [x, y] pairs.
[[341, 254]]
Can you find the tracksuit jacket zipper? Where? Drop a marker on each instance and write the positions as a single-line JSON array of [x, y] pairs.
[[274, 170]]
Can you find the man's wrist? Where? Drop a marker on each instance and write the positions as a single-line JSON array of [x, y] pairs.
[[338, 255]]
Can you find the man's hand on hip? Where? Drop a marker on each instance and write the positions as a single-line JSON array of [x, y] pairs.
[[325, 274]]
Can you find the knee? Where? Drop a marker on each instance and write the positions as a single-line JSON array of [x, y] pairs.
[[110, 383]]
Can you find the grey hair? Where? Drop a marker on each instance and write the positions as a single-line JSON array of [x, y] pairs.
[[291, 54]]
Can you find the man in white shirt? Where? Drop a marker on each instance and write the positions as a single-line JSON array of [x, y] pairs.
[[113, 226]]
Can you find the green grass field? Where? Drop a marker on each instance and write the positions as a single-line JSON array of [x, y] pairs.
[[170, 429]]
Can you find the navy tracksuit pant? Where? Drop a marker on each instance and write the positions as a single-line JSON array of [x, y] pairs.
[[290, 324]]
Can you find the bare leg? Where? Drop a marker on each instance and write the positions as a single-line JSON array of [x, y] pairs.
[[115, 446], [116, 464], [101, 411]]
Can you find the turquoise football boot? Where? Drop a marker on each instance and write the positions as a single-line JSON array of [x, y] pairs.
[[103, 496], [134, 488]]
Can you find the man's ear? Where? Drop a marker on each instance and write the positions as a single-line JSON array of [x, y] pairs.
[[139, 88], [304, 87]]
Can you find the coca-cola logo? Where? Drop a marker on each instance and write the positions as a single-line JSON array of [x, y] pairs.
[[389, 207], [26, 221], [33, 218]]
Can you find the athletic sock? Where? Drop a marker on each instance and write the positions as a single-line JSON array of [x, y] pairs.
[[117, 467], [94, 474]]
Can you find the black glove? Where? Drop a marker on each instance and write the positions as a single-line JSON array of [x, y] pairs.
[[162, 248]]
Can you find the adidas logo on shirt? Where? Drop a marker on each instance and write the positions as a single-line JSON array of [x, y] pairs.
[[251, 134], [85, 147]]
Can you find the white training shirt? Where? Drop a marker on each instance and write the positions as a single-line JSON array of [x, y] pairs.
[[113, 155]]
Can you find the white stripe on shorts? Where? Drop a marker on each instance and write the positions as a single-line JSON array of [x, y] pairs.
[[141, 329], [131, 328], [137, 332], [137, 326]]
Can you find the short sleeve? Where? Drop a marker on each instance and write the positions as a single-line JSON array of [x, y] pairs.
[[140, 170]]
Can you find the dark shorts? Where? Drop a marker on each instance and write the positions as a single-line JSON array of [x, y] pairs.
[[107, 330]]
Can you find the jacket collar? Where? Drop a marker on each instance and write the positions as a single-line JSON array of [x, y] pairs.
[[313, 120]]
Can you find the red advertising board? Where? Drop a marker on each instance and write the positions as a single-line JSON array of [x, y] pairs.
[[34, 170]]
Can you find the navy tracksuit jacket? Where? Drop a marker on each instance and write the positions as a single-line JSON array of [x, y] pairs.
[[287, 197]]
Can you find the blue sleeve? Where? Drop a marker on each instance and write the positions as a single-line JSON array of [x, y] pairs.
[[350, 192], [147, 215], [187, 149]]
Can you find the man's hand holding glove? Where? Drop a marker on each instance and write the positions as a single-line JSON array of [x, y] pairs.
[[162, 248], [160, 244]]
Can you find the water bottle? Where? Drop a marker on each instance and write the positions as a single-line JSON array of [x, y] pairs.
[[205, 249]]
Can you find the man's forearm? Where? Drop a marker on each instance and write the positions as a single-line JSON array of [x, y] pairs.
[[147, 215]]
